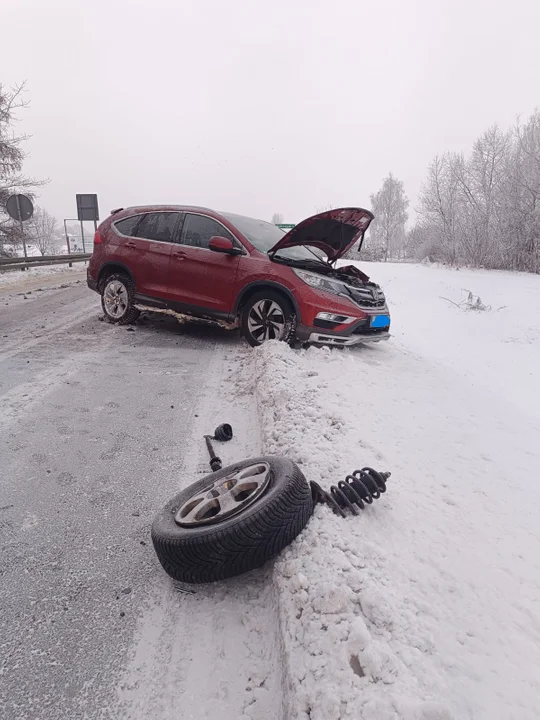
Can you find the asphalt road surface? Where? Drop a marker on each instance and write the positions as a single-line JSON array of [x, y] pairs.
[[96, 422]]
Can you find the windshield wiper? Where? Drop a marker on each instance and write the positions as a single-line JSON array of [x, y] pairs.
[[318, 259]]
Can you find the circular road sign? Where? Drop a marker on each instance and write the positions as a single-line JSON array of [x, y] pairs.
[[19, 207]]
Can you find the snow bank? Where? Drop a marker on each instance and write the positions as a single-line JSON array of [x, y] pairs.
[[427, 607], [14, 277]]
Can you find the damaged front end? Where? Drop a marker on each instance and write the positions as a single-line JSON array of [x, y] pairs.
[[363, 292], [347, 281]]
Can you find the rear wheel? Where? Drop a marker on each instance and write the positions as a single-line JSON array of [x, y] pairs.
[[267, 315], [117, 300]]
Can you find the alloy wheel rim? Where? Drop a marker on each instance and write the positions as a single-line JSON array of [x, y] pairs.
[[115, 299], [225, 497], [266, 321]]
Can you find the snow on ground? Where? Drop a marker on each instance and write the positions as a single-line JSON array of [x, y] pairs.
[[12, 278], [31, 250], [427, 606]]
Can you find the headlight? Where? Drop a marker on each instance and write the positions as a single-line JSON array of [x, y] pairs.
[[319, 282]]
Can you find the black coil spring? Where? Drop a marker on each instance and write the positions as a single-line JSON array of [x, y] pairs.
[[359, 489]]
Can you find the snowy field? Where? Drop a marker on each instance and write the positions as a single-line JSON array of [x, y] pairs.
[[427, 606]]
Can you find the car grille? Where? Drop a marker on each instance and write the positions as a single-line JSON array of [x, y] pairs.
[[368, 297]]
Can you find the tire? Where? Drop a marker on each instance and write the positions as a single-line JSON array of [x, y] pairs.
[[121, 287], [277, 308], [234, 545]]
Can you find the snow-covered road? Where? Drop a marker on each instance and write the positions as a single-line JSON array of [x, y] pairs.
[[99, 426], [427, 607]]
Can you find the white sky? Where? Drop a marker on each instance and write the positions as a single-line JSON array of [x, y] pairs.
[[260, 107]]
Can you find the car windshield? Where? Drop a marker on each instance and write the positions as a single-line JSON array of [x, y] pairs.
[[263, 235]]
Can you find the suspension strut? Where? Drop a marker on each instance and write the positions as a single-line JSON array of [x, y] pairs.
[[359, 489]]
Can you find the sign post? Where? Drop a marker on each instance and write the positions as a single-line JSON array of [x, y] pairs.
[[67, 241], [19, 207], [19, 213], [87, 209], [82, 236]]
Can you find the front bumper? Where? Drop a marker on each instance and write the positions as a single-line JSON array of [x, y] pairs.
[[317, 338], [357, 333]]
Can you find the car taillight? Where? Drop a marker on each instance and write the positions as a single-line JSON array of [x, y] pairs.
[[98, 239]]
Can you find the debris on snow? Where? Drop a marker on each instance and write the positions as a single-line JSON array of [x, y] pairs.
[[471, 302]]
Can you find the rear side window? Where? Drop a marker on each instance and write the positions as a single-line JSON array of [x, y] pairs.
[[199, 229], [158, 226], [128, 225]]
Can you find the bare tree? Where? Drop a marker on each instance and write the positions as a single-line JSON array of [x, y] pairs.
[[389, 206], [523, 204], [484, 210], [436, 232], [277, 219], [43, 232], [12, 179]]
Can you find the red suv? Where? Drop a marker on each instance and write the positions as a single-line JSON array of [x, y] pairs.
[[246, 272]]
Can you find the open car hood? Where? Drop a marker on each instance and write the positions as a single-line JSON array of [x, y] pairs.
[[332, 231]]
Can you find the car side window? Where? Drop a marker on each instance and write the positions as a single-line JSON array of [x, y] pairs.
[[159, 226], [199, 229], [128, 225]]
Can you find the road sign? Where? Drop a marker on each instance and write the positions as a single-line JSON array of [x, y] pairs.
[[87, 207], [285, 226], [19, 207]]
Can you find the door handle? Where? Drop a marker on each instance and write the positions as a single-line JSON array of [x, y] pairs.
[[131, 244], [179, 254]]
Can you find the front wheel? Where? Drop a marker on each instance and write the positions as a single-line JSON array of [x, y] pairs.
[[266, 316], [117, 300]]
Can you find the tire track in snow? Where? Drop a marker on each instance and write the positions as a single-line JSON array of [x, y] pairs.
[[214, 652]]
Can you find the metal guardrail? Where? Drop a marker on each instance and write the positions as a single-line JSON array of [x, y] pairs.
[[41, 261]]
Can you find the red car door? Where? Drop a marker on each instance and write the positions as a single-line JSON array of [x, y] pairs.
[[198, 276], [148, 254]]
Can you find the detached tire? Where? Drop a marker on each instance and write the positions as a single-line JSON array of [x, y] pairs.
[[117, 300], [219, 548]]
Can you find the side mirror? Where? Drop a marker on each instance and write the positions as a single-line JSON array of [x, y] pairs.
[[223, 245]]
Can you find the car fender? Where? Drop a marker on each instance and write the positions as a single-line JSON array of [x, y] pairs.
[[116, 264], [260, 284]]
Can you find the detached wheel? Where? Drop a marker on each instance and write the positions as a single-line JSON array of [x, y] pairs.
[[267, 315], [233, 520], [117, 300]]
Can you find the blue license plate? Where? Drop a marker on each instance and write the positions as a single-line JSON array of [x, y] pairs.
[[380, 321]]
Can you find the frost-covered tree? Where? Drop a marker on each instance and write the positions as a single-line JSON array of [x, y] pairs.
[[277, 219], [12, 179], [484, 210], [43, 232], [387, 231]]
